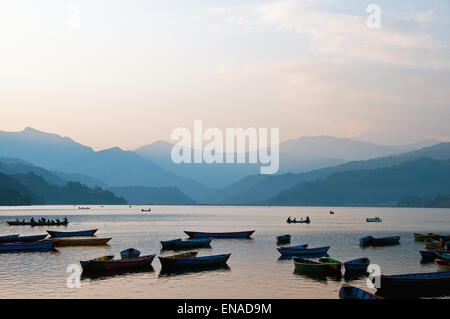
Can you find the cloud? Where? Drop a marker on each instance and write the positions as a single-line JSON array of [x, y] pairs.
[[344, 35]]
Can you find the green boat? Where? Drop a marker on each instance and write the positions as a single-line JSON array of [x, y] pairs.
[[306, 265], [422, 237], [333, 264]]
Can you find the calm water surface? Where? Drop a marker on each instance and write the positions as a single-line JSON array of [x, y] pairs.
[[254, 269]]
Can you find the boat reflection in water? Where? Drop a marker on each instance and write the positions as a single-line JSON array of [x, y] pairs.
[[169, 272], [115, 273]]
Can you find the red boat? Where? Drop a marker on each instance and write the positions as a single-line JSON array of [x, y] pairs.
[[241, 234], [104, 263]]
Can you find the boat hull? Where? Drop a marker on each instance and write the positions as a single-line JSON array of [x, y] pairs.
[[60, 234], [26, 239], [189, 262], [332, 264], [290, 251], [194, 243], [169, 244], [415, 285], [357, 265], [242, 234], [119, 264], [34, 246], [305, 265], [82, 242], [350, 292]]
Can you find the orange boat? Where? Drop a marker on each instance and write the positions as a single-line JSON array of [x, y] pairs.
[[81, 242]]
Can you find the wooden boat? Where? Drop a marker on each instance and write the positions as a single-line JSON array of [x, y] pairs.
[[419, 284], [25, 239], [82, 242], [357, 265], [33, 246], [382, 241], [188, 260], [146, 210], [422, 237], [84, 208], [86, 265], [241, 234], [351, 292], [169, 244], [442, 265], [16, 223], [6, 238], [331, 212], [284, 239], [298, 250], [332, 264], [374, 220], [192, 243], [59, 234], [306, 265], [431, 243], [306, 221], [117, 264]]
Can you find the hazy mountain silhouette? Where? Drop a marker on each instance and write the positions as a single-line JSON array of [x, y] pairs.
[[31, 189], [124, 168], [268, 186], [423, 177], [344, 148], [141, 195], [296, 155], [42, 149]]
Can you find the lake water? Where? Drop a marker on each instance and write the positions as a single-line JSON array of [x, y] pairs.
[[254, 268]]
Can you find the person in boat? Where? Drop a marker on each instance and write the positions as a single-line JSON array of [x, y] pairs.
[[289, 219], [65, 220], [307, 219], [294, 220]]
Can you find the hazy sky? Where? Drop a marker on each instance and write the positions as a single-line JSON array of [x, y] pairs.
[[135, 70]]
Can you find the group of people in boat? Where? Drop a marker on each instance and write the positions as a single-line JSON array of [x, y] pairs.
[[294, 220], [43, 220]]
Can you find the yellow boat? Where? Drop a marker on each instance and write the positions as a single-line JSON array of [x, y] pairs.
[[422, 237], [82, 242]]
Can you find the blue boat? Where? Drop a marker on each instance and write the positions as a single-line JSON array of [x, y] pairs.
[[192, 243], [169, 244], [357, 265], [33, 246], [351, 292], [241, 234], [6, 238], [383, 241], [299, 250], [190, 259], [25, 239], [81, 233], [417, 285]]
